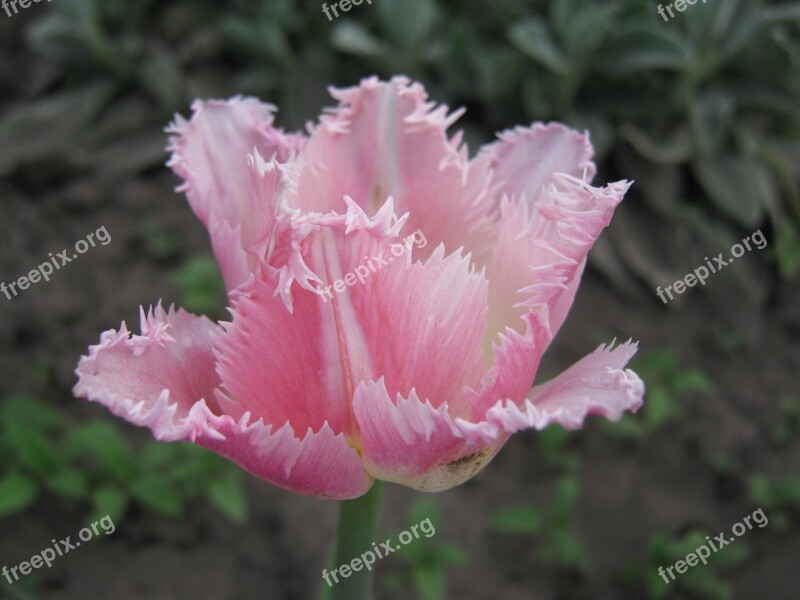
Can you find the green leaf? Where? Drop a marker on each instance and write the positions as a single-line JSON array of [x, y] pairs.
[[157, 493], [636, 48], [35, 451], [102, 441], [788, 249], [430, 583], [673, 149], [109, 500], [353, 38], [739, 187], [709, 115], [17, 493], [69, 482], [30, 410], [228, 495], [533, 38], [202, 288], [519, 519], [659, 408]]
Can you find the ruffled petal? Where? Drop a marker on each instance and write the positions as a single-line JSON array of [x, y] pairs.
[[322, 464], [374, 314], [414, 444], [540, 249], [153, 379], [526, 159], [165, 379], [220, 154], [386, 139], [598, 384]]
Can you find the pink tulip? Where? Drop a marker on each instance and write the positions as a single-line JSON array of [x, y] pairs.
[[417, 373]]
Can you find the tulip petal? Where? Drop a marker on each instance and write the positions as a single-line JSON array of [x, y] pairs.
[[597, 384], [164, 379], [412, 443], [387, 139], [237, 195], [526, 159], [394, 319], [541, 247], [321, 464], [153, 379]]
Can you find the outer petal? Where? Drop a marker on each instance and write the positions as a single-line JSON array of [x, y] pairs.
[[412, 443], [541, 247], [230, 187], [165, 380], [598, 384], [387, 139], [154, 379]]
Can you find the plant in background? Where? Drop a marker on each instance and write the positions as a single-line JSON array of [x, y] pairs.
[[309, 394], [552, 529], [779, 498], [789, 427], [427, 560], [703, 581], [92, 466]]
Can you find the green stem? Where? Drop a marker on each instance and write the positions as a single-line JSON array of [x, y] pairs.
[[358, 528]]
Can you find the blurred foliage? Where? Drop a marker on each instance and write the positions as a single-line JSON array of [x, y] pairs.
[[701, 111], [201, 285], [91, 465], [552, 528], [789, 427], [702, 580], [666, 383], [427, 559], [778, 498]]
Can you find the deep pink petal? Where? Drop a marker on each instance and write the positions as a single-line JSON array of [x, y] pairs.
[[303, 367], [321, 464]]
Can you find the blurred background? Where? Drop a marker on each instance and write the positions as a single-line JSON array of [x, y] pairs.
[[701, 110]]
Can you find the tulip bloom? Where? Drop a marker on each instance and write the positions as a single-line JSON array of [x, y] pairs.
[[417, 373]]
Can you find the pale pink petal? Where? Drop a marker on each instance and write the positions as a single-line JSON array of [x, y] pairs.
[[410, 442], [387, 139], [155, 378], [540, 249], [525, 159], [220, 154], [598, 384]]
